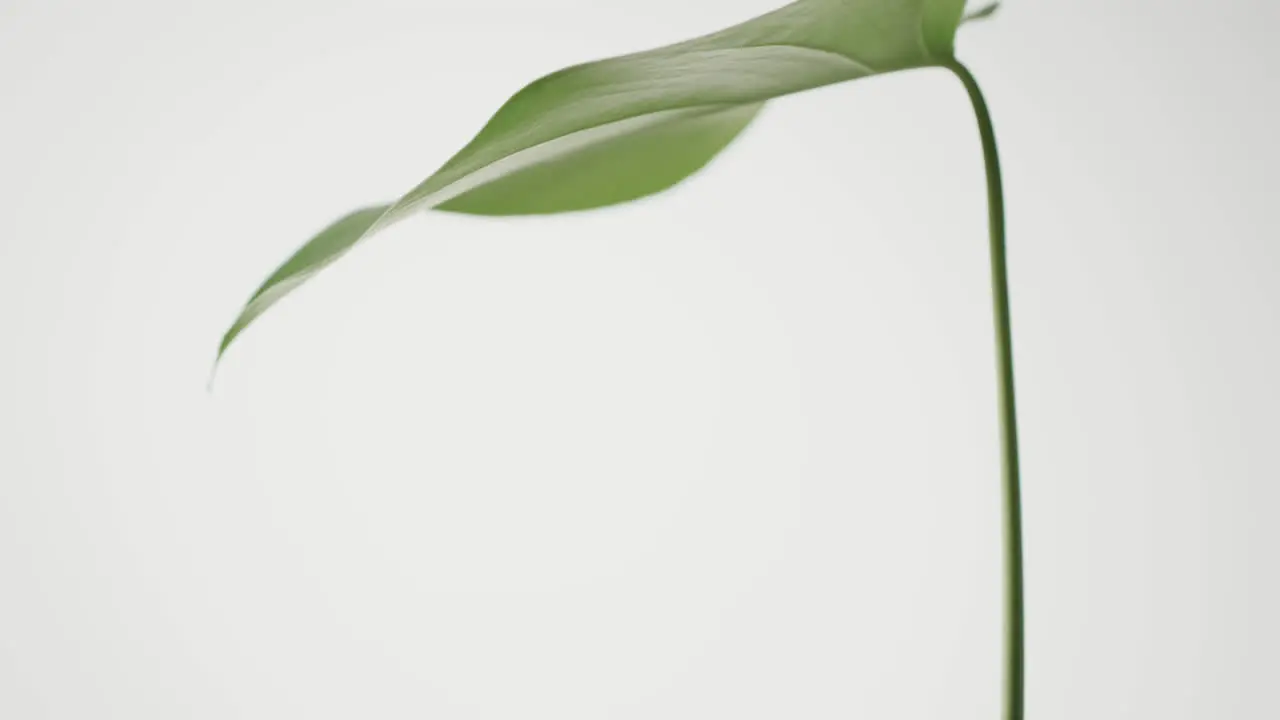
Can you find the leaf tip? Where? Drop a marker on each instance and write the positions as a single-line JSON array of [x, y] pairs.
[[981, 13], [217, 359]]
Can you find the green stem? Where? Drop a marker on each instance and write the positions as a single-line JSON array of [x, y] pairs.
[[1015, 636]]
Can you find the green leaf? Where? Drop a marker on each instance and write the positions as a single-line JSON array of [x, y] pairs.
[[622, 128], [981, 13]]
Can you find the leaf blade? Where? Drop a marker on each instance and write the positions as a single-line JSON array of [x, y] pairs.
[[542, 182], [621, 128]]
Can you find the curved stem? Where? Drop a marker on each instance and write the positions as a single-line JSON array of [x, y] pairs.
[[1015, 637]]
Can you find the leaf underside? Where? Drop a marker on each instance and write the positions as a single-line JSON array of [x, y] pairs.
[[622, 128]]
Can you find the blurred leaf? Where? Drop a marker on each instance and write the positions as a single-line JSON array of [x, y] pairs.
[[618, 129], [981, 13]]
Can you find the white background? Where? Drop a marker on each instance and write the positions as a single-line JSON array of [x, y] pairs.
[[729, 452]]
